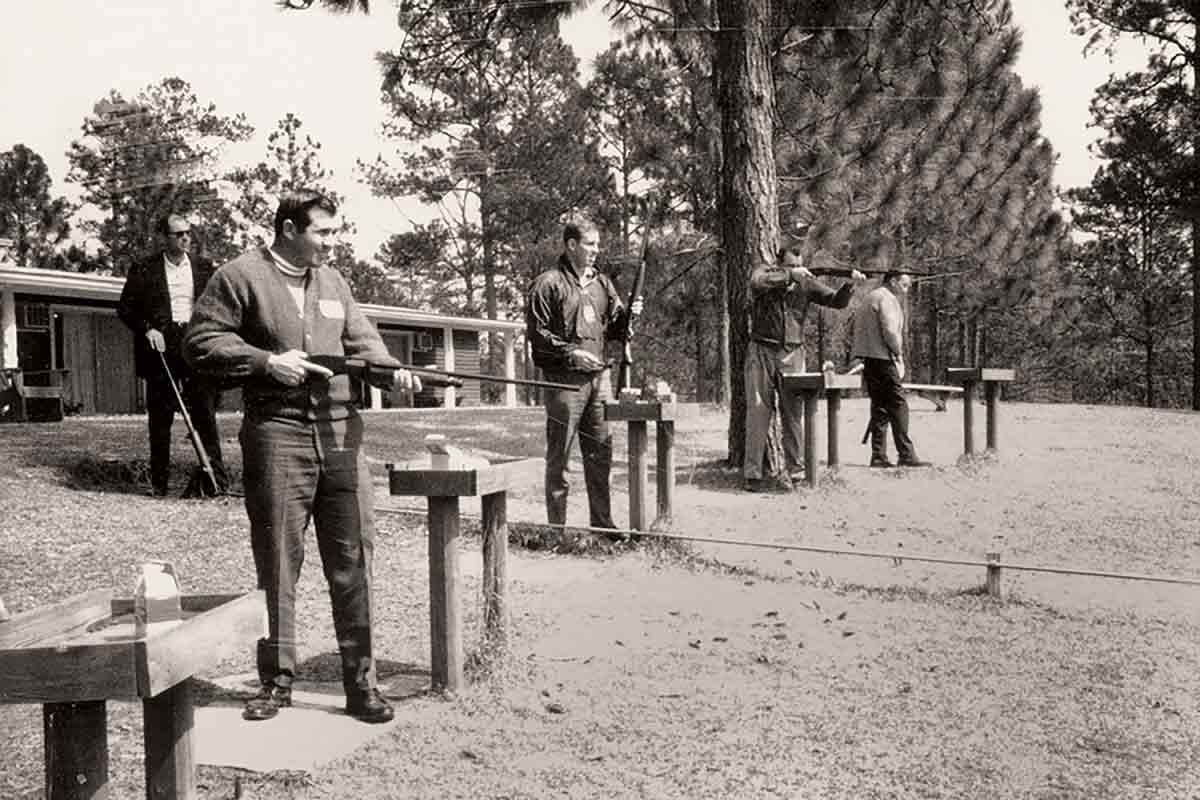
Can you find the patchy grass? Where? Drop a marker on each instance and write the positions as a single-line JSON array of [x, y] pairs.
[[670, 669]]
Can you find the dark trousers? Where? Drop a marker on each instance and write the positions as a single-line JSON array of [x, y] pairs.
[[765, 366], [570, 414], [888, 407], [200, 398], [296, 471]]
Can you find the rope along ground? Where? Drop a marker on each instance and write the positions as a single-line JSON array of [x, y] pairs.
[[896, 558]]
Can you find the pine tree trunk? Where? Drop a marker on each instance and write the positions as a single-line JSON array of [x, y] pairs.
[[1151, 399], [1195, 56], [935, 344], [749, 216], [489, 282], [724, 368]]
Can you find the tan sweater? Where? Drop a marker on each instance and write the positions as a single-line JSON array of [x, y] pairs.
[[879, 326]]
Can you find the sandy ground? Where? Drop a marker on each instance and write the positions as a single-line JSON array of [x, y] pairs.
[[736, 671]]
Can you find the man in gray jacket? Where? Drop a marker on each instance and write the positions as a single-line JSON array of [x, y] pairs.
[[258, 321], [879, 342]]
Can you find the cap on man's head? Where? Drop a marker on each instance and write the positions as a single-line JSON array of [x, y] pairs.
[[793, 239]]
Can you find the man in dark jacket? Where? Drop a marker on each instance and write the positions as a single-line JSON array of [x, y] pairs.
[[572, 311], [156, 304], [780, 295], [258, 321]]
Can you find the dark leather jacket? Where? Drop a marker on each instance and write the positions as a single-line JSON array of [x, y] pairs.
[[552, 315]]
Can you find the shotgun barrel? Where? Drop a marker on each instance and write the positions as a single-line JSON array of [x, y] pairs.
[[845, 272], [381, 375]]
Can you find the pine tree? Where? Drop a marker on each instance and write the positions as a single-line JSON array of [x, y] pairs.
[[155, 154], [1170, 87], [29, 216]]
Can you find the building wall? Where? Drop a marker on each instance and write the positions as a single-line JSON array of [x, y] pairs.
[[86, 337]]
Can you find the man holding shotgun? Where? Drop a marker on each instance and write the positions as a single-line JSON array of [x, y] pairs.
[[257, 322], [780, 295], [572, 311], [155, 305]]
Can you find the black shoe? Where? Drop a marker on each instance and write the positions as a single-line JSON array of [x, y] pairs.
[[915, 462], [882, 463], [369, 706], [757, 485], [267, 702]]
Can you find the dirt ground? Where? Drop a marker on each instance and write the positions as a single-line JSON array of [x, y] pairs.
[[723, 670]]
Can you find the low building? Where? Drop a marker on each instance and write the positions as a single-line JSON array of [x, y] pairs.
[[51, 320]]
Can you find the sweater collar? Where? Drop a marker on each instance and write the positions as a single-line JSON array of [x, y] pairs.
[[285, 266]]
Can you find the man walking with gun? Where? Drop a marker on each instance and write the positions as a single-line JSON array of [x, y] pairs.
[[156, 303]]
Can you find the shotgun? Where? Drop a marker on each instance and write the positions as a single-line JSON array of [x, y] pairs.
[[625, 370], [844, 272], [380, 375], [214, 487]]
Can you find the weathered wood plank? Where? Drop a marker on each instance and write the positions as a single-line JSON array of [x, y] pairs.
[[39, 624], [465, 482], [504, 475], [818, 381], [639, 411], [980, 374], [495, 569], [169, 750], [432, 482], [637, 474], [76, 755], [94, 671], [931, 387], [664, 478], [445, 631], [165, 658]]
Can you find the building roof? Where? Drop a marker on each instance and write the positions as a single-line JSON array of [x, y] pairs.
[[87, 286]]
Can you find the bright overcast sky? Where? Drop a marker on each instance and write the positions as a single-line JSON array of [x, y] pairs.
[[57, 57]]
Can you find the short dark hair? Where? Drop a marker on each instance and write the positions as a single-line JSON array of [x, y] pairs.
[[164, 222], [575, 229], [890, 276], [295, 205]]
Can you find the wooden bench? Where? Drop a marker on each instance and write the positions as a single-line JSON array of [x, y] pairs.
[[938, 395], [16, 392], [992, 379], [443, 483], [636, 412]]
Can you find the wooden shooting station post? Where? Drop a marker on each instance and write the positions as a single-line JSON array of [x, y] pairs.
[[636, 412], [75, 655], [448, 479], [991, 379], [810, 386]]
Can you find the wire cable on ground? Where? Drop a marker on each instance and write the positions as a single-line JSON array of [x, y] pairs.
[[894, 557]]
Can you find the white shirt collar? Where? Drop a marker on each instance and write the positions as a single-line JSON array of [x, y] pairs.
[[183, 262]]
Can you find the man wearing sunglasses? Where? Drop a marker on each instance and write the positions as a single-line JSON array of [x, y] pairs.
[[780, 294], [156, 304]]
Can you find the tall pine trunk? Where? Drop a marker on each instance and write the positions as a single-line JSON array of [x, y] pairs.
[[1195, 58], [748, 192]]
